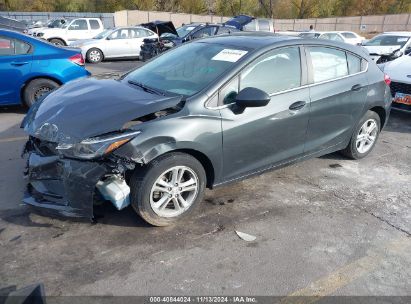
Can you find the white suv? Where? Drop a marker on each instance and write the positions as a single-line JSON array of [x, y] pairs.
[[80, 28]]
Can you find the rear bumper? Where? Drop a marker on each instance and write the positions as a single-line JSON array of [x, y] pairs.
[[63, 186], [401, 107]]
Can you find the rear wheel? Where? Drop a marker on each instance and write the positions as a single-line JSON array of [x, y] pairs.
[[94, 55], [168, 189], [37, 88], [57, 42], [364, 137]]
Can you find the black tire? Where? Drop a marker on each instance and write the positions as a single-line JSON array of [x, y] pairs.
[[351, 151], [36, 88], [57, 42], [143, 180], [94, 55]]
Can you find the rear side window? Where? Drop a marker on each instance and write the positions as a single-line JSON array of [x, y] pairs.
[[252, 26], [354, 64], [328, 63], [138, 33], [276, 71], [9, 47], [225, 30], [348, 35], [94, 24], [204, 32], [264, 25]]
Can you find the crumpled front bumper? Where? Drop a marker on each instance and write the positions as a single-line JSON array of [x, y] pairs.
[[64, 186]]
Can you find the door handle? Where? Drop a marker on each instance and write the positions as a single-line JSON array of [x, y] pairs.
[[356, 87], [18, 63], [297, 105]]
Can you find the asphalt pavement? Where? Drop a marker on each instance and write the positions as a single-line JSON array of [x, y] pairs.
[[326, 226]]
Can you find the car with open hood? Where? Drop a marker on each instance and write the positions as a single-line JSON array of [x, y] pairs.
[[185, 33], [204, 114]]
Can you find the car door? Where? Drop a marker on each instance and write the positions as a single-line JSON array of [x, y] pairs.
[[258, 138], [15, 64], [78, 29], [336, 97], [118, 44]]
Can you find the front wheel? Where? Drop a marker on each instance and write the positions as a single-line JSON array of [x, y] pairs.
[[168, 188], [57, 42], [364, 137]]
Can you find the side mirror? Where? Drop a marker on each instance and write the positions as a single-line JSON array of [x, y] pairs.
[[407, 51], [252, 97]]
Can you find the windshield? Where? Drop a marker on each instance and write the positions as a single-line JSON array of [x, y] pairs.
[[188, 69], [185, 30], [387, 40], [102, 34], [56, 23]]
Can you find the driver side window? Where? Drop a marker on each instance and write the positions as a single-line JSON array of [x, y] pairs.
[[79, 25], [273, 72]]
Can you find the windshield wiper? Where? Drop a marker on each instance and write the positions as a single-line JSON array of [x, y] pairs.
[[146, 88]]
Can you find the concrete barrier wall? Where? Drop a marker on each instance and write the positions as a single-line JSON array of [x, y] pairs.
[[363, 24]]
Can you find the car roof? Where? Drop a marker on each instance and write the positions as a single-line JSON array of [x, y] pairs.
[[262, 40], [397, 33], [251, 40]]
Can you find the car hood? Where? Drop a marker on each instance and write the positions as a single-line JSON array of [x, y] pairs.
[[382, 50], [399, 69], [50, 30], [86, 108]]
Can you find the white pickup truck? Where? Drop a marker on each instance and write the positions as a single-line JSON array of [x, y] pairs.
[[75, 29]]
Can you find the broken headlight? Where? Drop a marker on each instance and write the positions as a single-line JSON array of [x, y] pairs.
[[96, 146]]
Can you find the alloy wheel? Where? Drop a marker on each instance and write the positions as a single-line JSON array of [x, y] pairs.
[[174, 191], [366, 136], [95, 56]]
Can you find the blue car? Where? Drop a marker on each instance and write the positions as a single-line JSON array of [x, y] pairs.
[[30, 67]]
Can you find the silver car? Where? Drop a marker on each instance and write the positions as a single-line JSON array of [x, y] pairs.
[[117, 42]]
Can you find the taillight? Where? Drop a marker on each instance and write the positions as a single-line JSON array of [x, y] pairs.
[[77, 59], [387, 79]]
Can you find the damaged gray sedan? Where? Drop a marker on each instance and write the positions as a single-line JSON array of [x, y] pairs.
[[204, 114]]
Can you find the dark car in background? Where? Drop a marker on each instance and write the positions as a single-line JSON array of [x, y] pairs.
[[30, 68], [204, 114], [160, 27], [11, 24], [240, 21], [185, 33]]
